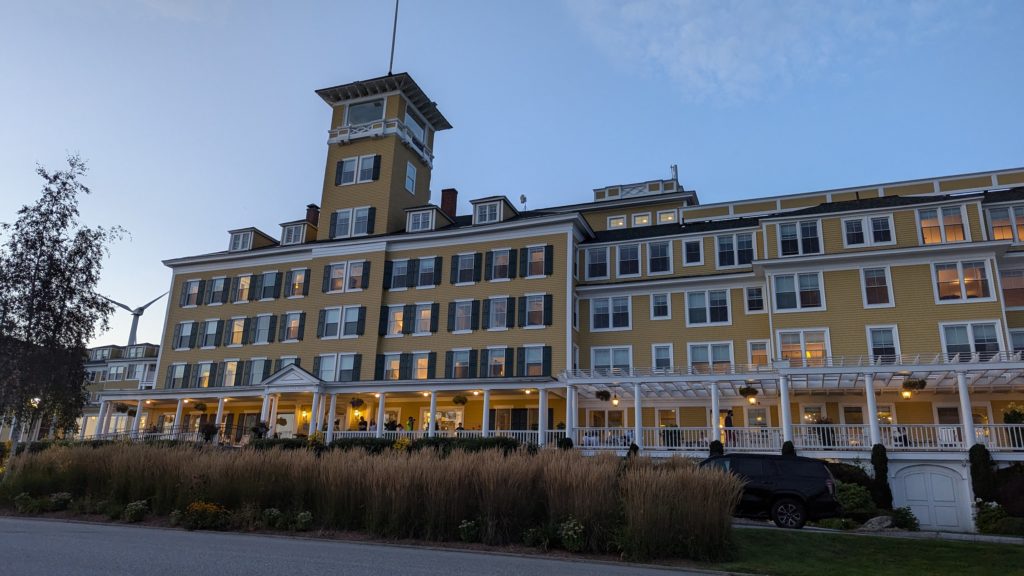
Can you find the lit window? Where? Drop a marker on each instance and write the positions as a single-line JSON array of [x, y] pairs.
[[236, 332], [758, 352], [535, 310], [396, 320], [293, 326], [336, 277], [945, 225], [423, 318], [668, 217], [203, 373], [615, 222], [421, 366], [242, 286], [356, 281], [1007, 223], [1012, 282], [962, 280], [641, 220], [392, 366], [296, 283], [804, 346]]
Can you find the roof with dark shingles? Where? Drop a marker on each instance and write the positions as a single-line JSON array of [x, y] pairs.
[[863, 204], [659, 230], [1004, 195]]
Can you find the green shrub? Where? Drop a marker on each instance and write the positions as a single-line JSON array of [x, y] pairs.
[[303, 521], [1010, 489], [272, 517], [855, 499], [881, 492], [136, 511], [904, 518], [469, 531], [983, 476], [788, 449], [716, 448], [205, 516], [370, 445], [573, 535], [537, 537], [988, 516], [564, 444], [24, 503], [59, 501], [282, 443], [838, 523], [1009, 526]]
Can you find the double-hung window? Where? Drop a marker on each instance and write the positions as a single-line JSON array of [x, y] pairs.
[[495, 362], [350, 320], [693, 252], [962, 281], [184, 335], [710, 358], [209, 334], [356, 270], [661, 354], [868, 231], [497, 314], [176, 377], [346, 171], [426, 273], [297, 280], [342, 225], [236, 331], [610, 313], [758, 352], [420, 365], [534, 362], [262, 331], [612, 359], [963, 340], [883, 344], [465, 272], [421, 221], [597, 263], [799, 238], [877, 287], [1012, 282], [798, 291], [392, 366], [501, 266], [336, 277], [486, 213], [460, 364], [216, 291], [629, 260], [535, 310], [366, 164], [735, 249], [754, 299], [204, 373], [463, 316], [535, 261], [423, 318], [396, 320], [940, 225], [661, 308], [191, 293], [399, 274], [804, 347], [268, 286], [1006, 223], [347, 368], [242, 286], [328, 367], [361, 221], [331, 327], [292, 326], [410, 178], [659, 257], [707, 307]]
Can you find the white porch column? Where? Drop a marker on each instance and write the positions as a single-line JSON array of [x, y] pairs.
[[638, 417], [330, 419], [314, 414], [177, 415], [35, 428], [265, 410], [575, 409], [81, 431], [542, 416], [569, 431], [432, 430], [380, 416], [138, 417], [872, 416], [966, 414], [716, 430], [273, 414], [99, 419], [218, 420], [785, 410], [487, 414]]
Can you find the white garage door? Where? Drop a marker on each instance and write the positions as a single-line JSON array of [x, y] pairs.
[[935, 495]]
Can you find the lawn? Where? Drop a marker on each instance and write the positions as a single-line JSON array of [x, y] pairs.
[[802, 553]]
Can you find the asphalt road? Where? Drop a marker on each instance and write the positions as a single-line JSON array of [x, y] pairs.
[[30, 547]]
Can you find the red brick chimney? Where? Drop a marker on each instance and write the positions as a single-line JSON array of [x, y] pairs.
[[313, 214], [449, 201]]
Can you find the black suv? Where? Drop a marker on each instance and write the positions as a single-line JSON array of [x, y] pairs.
[[788, 489]]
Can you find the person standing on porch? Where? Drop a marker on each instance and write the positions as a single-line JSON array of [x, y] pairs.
[[411, 423], [728, 427]]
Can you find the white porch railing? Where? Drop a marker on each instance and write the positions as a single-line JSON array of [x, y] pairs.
[[831, 436], [1001, 437], [618, 438], [753, 439], [344, 134], [673, 438], [923, 437]]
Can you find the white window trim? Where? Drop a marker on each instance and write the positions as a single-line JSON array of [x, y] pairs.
[[285, 322], [392, 278], [799, 308], [764, 301], [963, 299], [341, 327], [430, 220], [497, 212], [341, 321], [255, 328], [803, 342], [387, 328], [296, 239], [639, 260], [244, 244], [359, 167], [348, 230], [970, 332], [543, 251], [419, 267], [607, 264], [489, 300], [1013, 221], [942, 226], [633, 219], [541, 295], [799, 239], [895, 337], [1012, 332], [671, 266], [671, 357], [711, 361], [865, 223], [735, 250], [707, 307], [416, 318], [305, 279], [611, 354], [234, 288], [888, 285], [357, 209], [747, 407], [700, 242], [344, 278], [608, 223], [410, 166], [226, 336], [668, 301], [468, 331], [673, 212], [611, 314], [750, 350]]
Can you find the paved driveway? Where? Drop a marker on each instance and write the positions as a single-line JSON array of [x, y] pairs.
[[30, 547]]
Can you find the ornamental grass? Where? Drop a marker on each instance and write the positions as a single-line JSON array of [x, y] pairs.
[[642, 508]]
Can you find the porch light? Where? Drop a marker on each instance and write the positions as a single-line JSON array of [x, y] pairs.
[[906, 394], [148, 402], [186, 401], [35, 402], [752, 400], [615, 400], [425, 394], [476, 392], [376, 394], [305, 415], [527, 390]]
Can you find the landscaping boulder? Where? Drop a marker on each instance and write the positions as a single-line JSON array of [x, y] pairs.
[[876, 524]]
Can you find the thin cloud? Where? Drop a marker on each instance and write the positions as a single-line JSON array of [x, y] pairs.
[[743, 49]]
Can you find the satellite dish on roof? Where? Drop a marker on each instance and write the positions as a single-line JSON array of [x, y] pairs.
[[522, 200]]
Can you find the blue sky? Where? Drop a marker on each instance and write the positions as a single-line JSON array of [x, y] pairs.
[[197, 117]]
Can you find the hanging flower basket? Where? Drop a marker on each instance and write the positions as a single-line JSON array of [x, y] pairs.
[[199, 407], [748, 392], [459, 400], [1013, 414], [603, 395], [281, 421], [914, 384], [356, 403], [121, 407], [132, 412]]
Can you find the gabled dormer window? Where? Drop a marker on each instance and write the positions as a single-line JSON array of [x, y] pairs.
[[420, 221], [293, 234], [241, 241], [486, 213]]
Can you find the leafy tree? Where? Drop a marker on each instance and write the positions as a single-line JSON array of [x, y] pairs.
[[49, 308]]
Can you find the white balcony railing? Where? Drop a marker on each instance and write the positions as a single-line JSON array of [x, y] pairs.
[[345, 134], [831, 437], [757, 439], [923, 437], [1001, 437]]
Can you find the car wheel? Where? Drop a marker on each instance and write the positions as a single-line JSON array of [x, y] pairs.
[[788, 513]]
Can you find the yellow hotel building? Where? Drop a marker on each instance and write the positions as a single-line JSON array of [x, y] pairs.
[[884, 314]]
